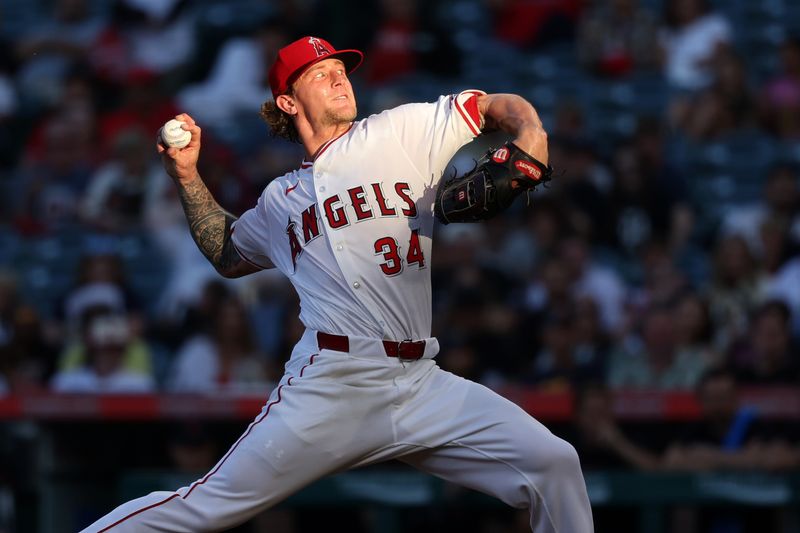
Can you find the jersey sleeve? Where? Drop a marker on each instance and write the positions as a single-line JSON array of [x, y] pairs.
[[432, 133], [251, 235]]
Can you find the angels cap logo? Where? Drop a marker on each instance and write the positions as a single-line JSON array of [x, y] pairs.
[[500, 155], [319, 48]]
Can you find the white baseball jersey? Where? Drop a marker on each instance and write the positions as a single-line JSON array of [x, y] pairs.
[[352, 230]]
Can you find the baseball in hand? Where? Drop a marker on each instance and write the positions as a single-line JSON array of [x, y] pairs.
[[173, 135]]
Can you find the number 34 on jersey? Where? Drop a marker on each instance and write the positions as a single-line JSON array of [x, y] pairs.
[[363, 203]]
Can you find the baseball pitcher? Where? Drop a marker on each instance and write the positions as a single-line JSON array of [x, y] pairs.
[[351, 229]]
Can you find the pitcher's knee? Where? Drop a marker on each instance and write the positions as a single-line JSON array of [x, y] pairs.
[[553, 461], [563, 458]]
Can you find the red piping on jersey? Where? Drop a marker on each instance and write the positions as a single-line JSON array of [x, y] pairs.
[[291, 188], [238, 251], [328, 143], [467, 112], [118, 522], [310, 362], [227, 455]]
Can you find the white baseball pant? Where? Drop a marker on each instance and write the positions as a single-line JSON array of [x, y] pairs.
[[333, 411]]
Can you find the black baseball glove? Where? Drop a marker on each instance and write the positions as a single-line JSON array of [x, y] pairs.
[[499, 177]]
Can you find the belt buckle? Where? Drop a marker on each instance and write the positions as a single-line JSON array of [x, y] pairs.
[[402, 353]]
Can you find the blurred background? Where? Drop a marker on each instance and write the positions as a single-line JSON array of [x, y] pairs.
[[645, 307]]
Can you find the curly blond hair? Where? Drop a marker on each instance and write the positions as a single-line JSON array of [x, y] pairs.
[[280, 122]]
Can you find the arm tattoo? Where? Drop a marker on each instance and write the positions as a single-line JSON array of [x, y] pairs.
[[209, 224]]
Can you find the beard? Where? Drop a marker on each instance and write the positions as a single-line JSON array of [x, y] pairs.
[[341, 116]]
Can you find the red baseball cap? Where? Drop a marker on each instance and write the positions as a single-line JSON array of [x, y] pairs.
[[293, 59]]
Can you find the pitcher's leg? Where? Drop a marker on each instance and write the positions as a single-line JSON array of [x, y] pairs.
[[497, 448], [274, 458], [266, 464]]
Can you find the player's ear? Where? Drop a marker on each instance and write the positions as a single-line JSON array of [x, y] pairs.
[[286, 104]]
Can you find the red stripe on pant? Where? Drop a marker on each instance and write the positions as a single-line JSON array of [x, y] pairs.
[[233, 448]]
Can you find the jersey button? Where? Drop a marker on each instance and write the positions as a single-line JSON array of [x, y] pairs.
[[322, 189], [339, 247], [356, 285]]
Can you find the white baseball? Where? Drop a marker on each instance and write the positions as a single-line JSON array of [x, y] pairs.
[[173, 135]]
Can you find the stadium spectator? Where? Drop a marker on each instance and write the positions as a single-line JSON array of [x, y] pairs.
[[100, 280], [641, 206], [27, 358], [775, 248], [187, 269], [49, 189], [784, 285], [407, 40], [106, 349], [559, 365], [729, 435], [530, 23], [9, 107], [551, 291], [602, 444], [779, 102], [477, 308], [661, 283], [48, 49], [191, 447], [142, 105], [694, 329], [136, 357], [569, 124], [737, 288], [76, 105], [779, 204], [460, 357], [767, 356], [520, 248], [237, 82], [116, 196], [692, 37], [589, 278], [110, 57], [652, 359], [223, 359], [598, 438], [651, 144], [727, 105], [617, 37], [592, 343], [583, 185], [224, 177], [394, 49], [150, 28], [196, 318], [9, 303]]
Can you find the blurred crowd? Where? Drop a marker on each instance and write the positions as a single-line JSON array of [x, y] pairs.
[[616, 276], [624, 274]]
